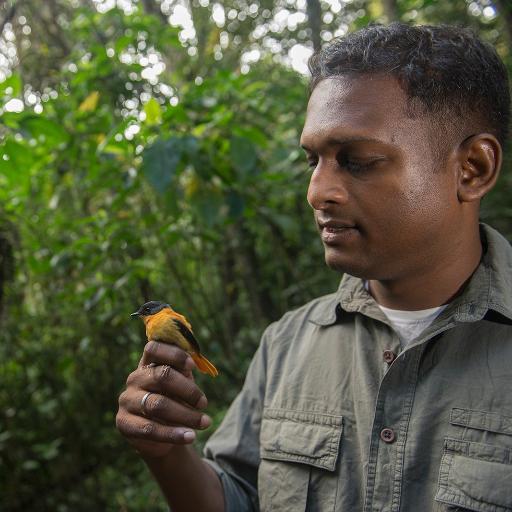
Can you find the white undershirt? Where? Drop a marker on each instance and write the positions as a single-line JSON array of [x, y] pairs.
[[409, 324]]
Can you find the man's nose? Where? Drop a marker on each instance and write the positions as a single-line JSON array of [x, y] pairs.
[[326, 187]]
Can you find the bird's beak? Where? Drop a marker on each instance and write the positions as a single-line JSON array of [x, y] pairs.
[[135, 314]]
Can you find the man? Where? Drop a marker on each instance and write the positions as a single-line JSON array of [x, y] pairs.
[[392, 394]]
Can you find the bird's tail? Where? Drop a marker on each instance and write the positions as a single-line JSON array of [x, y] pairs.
[[204, 365]]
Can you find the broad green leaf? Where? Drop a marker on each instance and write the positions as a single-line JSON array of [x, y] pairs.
[[160, 162], [122, 43], [252, 133], [208, 203], [16, 164], [153, 112], [90, 103], [243, 155], [14, 81], [255, 88], [236, 204], [44, 129]]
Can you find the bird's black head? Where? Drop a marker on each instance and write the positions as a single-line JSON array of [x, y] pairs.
[[150, 308]]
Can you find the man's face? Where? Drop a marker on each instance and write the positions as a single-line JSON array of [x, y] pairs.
[[385, 203]]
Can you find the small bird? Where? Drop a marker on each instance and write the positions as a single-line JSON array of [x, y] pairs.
[[166, 325]]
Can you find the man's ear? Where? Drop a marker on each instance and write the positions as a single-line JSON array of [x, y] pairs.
[[480, 159]]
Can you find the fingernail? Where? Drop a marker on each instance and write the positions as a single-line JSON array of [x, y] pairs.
[[189, 435], [202, 403], [206, 421], [189, 364]]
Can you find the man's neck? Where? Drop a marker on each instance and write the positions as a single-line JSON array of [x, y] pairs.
[[433, 286]]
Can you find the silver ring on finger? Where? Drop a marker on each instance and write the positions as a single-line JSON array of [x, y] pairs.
[[143, 403]]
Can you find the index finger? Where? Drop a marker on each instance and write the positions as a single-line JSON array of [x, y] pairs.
[[166, 354]]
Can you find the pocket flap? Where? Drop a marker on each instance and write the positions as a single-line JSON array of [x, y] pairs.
[[475, 484], [481, 420], [305, 437]]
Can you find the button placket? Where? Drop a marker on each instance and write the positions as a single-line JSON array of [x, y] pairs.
[[378, 483]]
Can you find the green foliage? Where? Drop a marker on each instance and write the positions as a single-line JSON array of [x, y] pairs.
[[201, 205], [120, 191]]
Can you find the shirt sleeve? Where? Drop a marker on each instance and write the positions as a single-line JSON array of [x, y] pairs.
[[234, 449]]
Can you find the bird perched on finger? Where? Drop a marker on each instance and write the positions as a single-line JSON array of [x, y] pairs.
[[167, 326]]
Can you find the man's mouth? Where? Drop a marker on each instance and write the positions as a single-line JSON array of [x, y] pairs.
[[334, 231]]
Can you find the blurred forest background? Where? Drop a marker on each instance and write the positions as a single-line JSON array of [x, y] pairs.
[[149, 150]]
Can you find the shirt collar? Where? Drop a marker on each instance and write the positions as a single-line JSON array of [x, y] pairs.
[[351, 297], [489, 289]]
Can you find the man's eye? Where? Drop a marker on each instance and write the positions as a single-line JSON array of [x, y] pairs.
[[312, 162], [355, 166]]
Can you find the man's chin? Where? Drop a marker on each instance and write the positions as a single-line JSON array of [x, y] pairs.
[[345, 266]]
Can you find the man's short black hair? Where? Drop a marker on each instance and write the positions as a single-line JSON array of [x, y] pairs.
[[447, 68]]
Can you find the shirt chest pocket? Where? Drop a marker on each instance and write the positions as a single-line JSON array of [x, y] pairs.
[[299, 452], [476, 471]]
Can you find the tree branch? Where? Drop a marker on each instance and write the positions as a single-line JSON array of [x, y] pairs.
[[314, 11], [10, 15]]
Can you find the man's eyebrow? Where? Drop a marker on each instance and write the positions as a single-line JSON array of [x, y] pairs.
[[346, 140]]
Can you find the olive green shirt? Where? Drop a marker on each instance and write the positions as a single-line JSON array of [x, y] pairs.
[[333, 416]]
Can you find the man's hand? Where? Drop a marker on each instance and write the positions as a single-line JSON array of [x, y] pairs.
[[172, 410]]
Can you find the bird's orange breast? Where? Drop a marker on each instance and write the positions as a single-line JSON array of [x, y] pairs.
[[161, 327]]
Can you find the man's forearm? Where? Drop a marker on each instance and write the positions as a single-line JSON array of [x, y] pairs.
[[187, 482]]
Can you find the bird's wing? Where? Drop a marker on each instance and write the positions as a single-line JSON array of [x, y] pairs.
[[187, 334]]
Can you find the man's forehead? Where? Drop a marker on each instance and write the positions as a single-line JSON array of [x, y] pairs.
[[346, 82], [365, 103], [335, 90]]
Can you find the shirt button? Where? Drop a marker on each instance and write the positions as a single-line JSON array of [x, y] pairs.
[[388, 356], [387, 435]]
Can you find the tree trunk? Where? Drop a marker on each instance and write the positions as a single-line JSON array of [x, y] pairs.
[[202, 25], [314, 11], [152, 7], [8, 239], [505, 9], [8, 17], [390, 8]]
